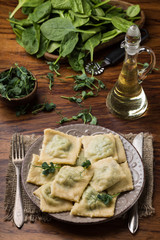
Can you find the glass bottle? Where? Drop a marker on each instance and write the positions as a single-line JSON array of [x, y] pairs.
[[127, 98]]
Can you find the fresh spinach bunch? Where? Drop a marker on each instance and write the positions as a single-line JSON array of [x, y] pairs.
[[16, 82], [69, 28]]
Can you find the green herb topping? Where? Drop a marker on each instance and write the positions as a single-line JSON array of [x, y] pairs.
[[86, 164], [106, 198], [48, 168]]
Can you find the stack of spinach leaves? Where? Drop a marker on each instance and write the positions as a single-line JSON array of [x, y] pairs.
[[69, 28]]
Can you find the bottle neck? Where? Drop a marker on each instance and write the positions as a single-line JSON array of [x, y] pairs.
[[132, 59]]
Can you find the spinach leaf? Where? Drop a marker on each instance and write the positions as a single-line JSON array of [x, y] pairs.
[[31, 39], [56, 4], [43, 46], [101, 3], [76, 5], [76, 60], [92, 43], [110, 35], [86, 36], [56, 28], [41, 12], [68, 43], [121, 24], [27, 10], [53, 46], [133, 10], [26, 3]]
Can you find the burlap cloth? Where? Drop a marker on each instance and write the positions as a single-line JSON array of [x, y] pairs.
[[33, 213]]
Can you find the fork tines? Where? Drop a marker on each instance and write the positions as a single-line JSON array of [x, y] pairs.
[[17, 147]]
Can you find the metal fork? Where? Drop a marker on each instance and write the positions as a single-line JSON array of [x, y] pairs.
[[18, 154]]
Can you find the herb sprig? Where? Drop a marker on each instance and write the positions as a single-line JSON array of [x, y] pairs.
[[48, 168], [85, 115], [51, 80], [82, 96], [24, 109], [86, 164], [54, 67], [106, 198], [84, 81]]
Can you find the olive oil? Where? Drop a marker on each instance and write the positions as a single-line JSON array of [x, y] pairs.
[[127, 98]]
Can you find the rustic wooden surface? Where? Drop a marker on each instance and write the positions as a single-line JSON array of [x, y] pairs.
[[11, 52]]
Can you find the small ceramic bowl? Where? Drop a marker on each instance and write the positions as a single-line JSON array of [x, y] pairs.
[[14, 102]]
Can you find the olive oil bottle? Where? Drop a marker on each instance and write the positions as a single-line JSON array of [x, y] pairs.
[[127, 98]]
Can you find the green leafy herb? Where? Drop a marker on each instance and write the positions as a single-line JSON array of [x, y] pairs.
[[146, 65], [106, 198], [69, 28], [16, 82], [31, 39], [83, 95], [91, 43], [48, 107], [83, 81], [73, 99], [54, 67], [48, 168], [121, 23], [22, 110], [133, 10], [51, 80], [85, 115], [86, 164], [56, 28], [68, 44], [26, 3]]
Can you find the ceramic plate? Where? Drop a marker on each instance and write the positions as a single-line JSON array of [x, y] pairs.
[[125, 200]]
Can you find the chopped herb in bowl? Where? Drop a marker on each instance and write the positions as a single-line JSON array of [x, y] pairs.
[[17, 85]]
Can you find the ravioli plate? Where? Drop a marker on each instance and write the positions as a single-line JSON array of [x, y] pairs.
[[125, 200]]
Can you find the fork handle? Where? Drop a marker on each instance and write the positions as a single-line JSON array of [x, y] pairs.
[[18, 214]]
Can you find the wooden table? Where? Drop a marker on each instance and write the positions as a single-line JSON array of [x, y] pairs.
[[11, 52]]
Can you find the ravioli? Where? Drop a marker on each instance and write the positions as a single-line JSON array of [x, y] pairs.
[[70, 182], [58, 147], [126, 184], [80, 158], [91, 206], [99, 146], [120, 150], [51, 204], [107, 172], [35, 175]]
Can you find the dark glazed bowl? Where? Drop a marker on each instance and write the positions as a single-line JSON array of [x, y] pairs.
[[15, 102]]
